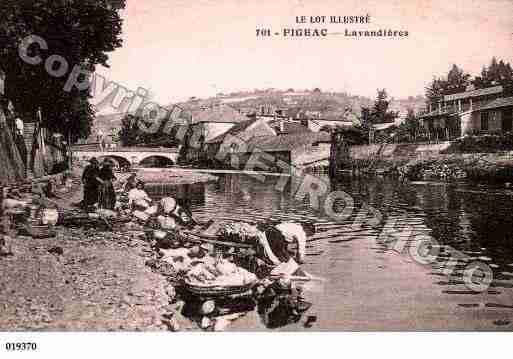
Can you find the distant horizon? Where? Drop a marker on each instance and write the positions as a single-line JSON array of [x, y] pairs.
[[110, 111]]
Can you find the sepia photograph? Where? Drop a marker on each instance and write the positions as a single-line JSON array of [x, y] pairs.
[[255, 166]]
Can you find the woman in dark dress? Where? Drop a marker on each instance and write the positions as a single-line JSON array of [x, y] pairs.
[[107, 193], [91, 181]]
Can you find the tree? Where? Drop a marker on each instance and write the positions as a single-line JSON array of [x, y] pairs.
[[379, 112], [365, 117], [497, 73], [131, 133], [81, 31], [435, 91], [456, 81], [410, 127]]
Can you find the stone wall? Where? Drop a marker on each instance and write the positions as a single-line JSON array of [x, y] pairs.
[[365, 152]]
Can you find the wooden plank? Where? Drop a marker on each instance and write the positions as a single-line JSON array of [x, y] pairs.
[[210, 239]]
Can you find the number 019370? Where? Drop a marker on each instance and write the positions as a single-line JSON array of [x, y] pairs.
[[20, 346]]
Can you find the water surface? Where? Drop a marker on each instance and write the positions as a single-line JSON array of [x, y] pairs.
[[369, 286]]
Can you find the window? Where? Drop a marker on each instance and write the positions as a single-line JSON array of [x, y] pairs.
[[484, 121]]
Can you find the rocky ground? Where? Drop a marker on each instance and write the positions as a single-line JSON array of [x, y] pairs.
[[84, 279]]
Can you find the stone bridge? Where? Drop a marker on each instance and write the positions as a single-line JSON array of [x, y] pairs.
[[132, 156]]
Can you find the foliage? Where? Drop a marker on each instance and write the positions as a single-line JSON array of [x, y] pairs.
[[433, 169], [184, 150], [409, 129], [380, 112], [482, 143], [365, 119], [81, 31], [131, 134], [497, 73], [435, 91], [455, 81]]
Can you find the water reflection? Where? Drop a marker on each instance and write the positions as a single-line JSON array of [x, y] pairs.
[[279, 310]]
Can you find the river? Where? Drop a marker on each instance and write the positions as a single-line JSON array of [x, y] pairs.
[[369, 286]]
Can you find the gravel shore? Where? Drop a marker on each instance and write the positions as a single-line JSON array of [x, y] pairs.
[[84, 280], [173, 176]]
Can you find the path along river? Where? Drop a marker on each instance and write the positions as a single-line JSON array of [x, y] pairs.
[[370, 286]]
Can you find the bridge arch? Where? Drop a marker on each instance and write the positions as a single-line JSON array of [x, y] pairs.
[[158, 161], [119, 161]]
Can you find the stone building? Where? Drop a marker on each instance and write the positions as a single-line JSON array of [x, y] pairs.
[[475, 111]]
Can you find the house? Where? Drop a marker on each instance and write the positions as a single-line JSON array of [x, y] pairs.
[[313, 120], [299, 150], [207, 123], [473, 111], [286, 126], [493, 117], [244, 131], [215, 120], [334, 119]]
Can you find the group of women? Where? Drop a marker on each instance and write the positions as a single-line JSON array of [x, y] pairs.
[[98, 185]]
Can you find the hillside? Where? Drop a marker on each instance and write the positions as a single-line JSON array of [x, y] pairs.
[[330, 105]]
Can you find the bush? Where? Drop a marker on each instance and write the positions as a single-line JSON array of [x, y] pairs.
[[433, 169], [482, 143]]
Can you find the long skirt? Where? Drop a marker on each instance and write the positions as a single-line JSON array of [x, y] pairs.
[[91, 194], [107, 195]]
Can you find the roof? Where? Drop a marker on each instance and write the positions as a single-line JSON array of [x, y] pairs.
[[238, 130], [217, 113], [287, 142], [289, 126], [498, 103], [474, 93]]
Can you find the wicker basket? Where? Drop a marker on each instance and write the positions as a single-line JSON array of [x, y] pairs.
[[39, 231]]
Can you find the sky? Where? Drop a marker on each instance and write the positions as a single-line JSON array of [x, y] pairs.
[[184, 48]]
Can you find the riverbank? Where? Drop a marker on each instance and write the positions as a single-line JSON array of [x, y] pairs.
[[482, 167], [432, 162], [87, 278], [174, 176], [81, 280]]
